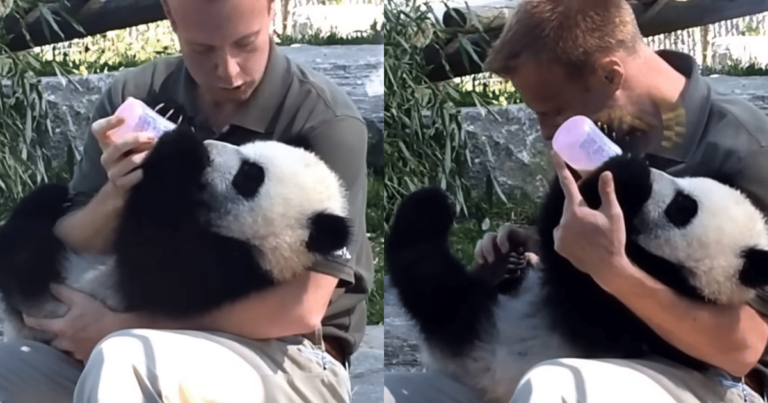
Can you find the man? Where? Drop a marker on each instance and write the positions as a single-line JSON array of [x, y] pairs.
[[291, 343], [587, 57]]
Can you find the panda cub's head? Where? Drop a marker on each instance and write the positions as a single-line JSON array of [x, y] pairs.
[[695, 234], [279, 201], [276, 196]]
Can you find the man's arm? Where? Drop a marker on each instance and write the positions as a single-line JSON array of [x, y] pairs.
[[90, 225], [730, 338], [299, 305]]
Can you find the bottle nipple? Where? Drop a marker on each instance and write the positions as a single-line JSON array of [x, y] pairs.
[[140, 118], [582, 145]]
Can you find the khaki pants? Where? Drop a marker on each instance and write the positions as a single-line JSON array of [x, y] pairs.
[[577, 381], [146, 366]]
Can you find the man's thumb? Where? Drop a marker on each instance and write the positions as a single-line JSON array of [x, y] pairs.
[[609, 202]]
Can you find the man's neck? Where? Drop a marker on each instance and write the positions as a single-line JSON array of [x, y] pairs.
[[661, 86], [218, 114], [655, 79]]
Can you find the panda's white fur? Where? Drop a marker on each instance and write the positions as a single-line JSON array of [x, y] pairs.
[[188, 240], [297, 185], [489, 340], [715, 249]]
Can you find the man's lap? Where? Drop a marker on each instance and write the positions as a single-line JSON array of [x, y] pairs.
[[133, 364], [570, 380]]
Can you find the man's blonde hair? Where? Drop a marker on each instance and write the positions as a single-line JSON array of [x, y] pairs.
[[572, 33]]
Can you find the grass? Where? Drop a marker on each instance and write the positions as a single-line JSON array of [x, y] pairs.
[[133, 47]]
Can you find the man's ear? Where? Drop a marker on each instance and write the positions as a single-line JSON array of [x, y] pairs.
[[754, 273], [609, 74], [168, 14], [272, 10]]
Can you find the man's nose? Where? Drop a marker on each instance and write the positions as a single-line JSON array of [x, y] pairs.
[[227, 69]]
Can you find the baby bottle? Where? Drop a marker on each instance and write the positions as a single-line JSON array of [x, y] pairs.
[[140, 118], [582, 145]]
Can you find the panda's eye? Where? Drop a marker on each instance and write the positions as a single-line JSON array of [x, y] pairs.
[[248, 179], [681, 210]]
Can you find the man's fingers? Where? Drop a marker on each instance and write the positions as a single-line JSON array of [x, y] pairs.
[[46, 325], [125, 166], [484, 248], [102, 127], [128, 181], [567, 182], [503, 238], [134, 144], [69, 296]]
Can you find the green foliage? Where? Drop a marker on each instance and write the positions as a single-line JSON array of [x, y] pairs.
[[321, 38], [110, 51], [738, 68], [486, 90], [425, 143], [24, 124]]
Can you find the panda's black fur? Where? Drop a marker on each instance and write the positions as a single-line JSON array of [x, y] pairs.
[[460, 314], [168, 259]]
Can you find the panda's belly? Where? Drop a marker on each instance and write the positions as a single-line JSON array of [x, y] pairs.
[[522, 339]]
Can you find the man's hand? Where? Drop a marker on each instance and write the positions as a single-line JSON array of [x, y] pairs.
[[84, 326], [120, 158], [592, 240]]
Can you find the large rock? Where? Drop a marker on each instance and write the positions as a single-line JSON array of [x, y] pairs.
[[352, 67], [510, 147]]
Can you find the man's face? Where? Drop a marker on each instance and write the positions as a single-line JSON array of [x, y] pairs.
[[555, 97], [225, 44]]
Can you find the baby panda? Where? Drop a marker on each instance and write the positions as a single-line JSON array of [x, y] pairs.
[[209, 223], [698, 236]]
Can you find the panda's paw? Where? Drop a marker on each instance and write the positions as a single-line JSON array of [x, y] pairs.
[[48, 201], [425, 215]]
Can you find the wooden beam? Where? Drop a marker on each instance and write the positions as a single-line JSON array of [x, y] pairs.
[[675, 15], [94, 17]]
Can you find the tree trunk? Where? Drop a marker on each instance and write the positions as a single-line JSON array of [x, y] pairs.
[[95, 17]]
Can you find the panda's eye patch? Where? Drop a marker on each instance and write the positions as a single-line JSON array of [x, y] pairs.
[[248, 179], [681, 209]]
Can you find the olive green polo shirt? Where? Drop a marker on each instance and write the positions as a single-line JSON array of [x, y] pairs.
[[725, 137], [290, 101]]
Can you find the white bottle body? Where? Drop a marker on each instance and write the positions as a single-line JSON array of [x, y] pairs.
[[582, 145], [140, 118]]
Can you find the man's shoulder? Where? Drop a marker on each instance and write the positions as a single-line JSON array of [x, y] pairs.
[[317, 94], [139, 81], [733, 115]]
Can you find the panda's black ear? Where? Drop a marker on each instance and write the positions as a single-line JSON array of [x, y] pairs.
[[754, 273], [328, 233]]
